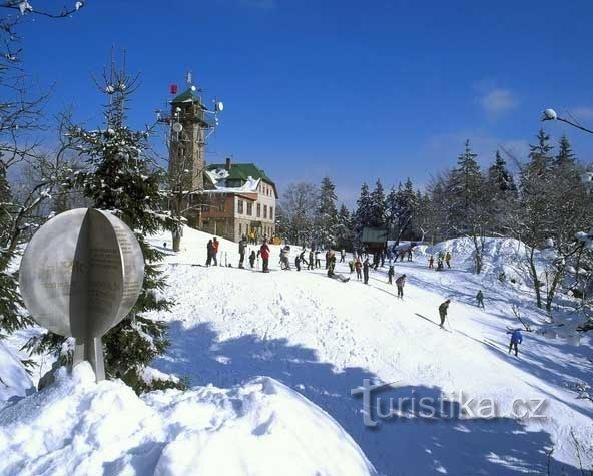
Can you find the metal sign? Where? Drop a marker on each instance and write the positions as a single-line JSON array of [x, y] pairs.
[[81, 274]]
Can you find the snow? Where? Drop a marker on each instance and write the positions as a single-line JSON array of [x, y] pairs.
[[14, 381], [316, 340], [220, 175], [261, 427]]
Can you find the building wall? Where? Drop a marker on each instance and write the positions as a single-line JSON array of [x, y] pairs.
[[230, 215], [266, 204]]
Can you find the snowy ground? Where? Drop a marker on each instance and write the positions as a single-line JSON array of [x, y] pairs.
[[323, 338]]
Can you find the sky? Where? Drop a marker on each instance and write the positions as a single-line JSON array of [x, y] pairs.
[[353, 90]]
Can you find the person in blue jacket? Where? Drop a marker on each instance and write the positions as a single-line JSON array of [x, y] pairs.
[[516, 339]]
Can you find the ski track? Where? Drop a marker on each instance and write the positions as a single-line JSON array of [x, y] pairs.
[[322, 337]]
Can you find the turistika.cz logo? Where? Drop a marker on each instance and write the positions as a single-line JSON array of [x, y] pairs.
[[377, 405]]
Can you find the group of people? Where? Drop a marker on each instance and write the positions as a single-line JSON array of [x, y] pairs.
[[441, 258]]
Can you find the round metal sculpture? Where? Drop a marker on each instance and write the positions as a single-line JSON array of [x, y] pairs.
[[80, 275]]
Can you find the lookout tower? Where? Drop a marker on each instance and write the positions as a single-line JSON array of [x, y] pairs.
[[189, 120]]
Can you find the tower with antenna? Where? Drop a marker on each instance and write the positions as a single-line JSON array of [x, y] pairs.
[[190, 123]]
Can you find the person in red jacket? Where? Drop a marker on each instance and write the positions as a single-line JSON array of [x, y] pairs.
[[264, 252], [214, 250]]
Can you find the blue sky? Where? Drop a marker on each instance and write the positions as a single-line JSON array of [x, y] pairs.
[[353, 90]]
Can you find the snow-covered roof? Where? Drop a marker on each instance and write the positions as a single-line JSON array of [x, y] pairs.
[[219, 177]]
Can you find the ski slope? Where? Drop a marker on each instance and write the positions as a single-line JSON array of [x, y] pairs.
[[250, 343], [322, 338]]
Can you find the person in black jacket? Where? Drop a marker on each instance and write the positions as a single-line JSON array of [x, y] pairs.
[[365, 270], [209, 253], [242, 247]]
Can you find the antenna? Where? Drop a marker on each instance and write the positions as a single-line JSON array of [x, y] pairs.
[[188, 78]]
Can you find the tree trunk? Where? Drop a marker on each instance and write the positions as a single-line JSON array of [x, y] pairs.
[[479, 257], [534, 277]]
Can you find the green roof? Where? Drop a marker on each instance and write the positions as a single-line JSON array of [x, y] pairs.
[[187, 96], [243, 171]]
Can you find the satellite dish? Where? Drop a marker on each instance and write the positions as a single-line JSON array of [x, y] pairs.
[[177, 127], [218, 106]]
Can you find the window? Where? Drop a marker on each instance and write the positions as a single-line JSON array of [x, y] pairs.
[[271, 213], [249, 208], [258, 210], [265, 211], [239, 206], [240, 230]]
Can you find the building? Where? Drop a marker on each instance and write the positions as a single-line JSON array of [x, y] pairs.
[[229, 200], [241, 201]]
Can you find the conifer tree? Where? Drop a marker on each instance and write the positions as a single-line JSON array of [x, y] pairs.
[[119, 179], [10, 300], [326, 219], [378, 208]]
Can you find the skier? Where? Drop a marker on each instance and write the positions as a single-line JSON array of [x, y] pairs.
[[382, 259], [365, 269], [431, 262], [448, 259], [410, 256], [317, 259], [264, 252], [297, 262], [242, 247], [443, 308], [343, 256], [284, 264], [358, 266], [311, 259], [209, 253], [302, 257], [376, 260], [516, 339], [331, 263], [440, 266], [480, 299], [351, 266], [400, 283], [252, 259], [391, 274], [214, 250]]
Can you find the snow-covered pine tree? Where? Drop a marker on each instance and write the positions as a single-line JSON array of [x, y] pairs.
[[378, 216], [326, 216], [119, 178], [468, 211], [502, 192], [10, 301], [536, 220], [344, 228], [362, 215]]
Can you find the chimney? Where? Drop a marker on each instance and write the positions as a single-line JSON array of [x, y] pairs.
[[227, 164]]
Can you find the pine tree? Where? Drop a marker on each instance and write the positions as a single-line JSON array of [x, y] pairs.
[[326, 219], [464, 190], [565, 155], [345, 231], [536, 219], [363, 213], [502, 192], [10, 300], [119, 179], [378, 216]]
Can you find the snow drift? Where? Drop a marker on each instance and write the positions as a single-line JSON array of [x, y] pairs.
[[78, 426], [14, 381]]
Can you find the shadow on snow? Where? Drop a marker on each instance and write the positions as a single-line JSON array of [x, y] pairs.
[[403, 445]]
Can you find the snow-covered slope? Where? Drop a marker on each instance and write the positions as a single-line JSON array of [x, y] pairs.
[[259, 428], [323, 338]]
